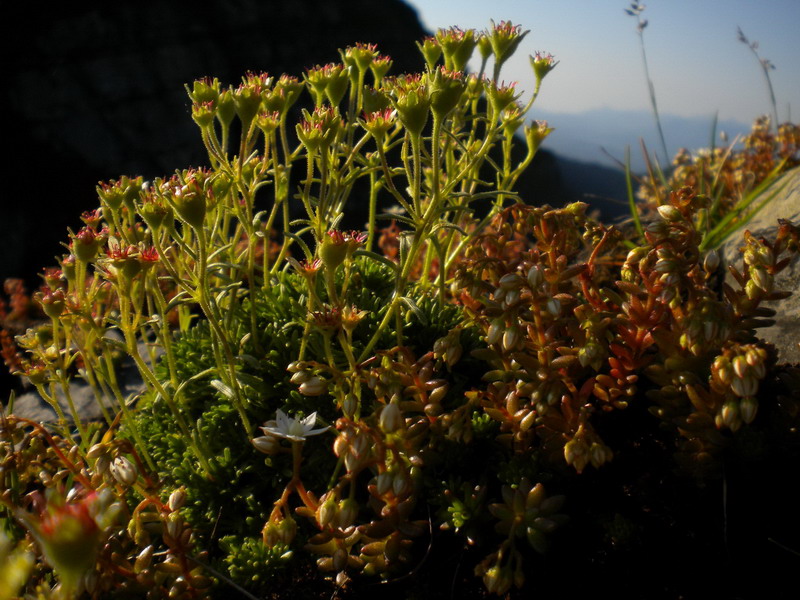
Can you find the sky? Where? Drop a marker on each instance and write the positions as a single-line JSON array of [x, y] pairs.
[[697, 65]]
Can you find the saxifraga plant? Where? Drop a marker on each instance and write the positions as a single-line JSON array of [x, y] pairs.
[[311, 399]]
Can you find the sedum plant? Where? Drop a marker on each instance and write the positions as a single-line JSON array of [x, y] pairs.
[[738, 180], [319, 395]]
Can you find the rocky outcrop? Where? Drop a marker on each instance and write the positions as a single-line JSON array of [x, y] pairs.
[[32, 406], [95, 90], [785, 334]]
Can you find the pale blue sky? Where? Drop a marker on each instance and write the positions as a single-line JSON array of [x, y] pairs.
[[697, 64]]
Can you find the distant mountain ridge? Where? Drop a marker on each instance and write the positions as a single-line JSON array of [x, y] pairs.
[[583, 136]]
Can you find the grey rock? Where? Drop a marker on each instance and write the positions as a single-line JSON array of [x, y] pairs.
[[784, 335], [31, 405]]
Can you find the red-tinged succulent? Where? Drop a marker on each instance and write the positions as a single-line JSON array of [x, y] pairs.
[[70, 531]]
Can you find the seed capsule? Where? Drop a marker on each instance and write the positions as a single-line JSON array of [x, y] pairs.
[[300, 377], [669, 213], [350, 405], [740, 366]]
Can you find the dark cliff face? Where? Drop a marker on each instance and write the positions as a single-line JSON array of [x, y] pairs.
[[93, 92]]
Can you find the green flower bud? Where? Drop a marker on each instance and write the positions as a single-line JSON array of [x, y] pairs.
[[246, 102], [336, 87], [190, 203], [500, 96], [457, 47], [380, 67], [155, 213], [36, 373], [205, 90], [446, 89], [333, 249], [484, 46], [536, 134], [226, 108], [504, 39], [375, 100], [412, 102], [542, 64], [317, 79], [379, 123], [290, 88], [431, 51], [361, 55], [203, 114]]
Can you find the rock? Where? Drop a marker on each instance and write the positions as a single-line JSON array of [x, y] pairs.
[[32, 406], [96, 91], [784, 335]]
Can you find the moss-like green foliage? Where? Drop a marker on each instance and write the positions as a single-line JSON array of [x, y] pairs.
[[251, 564]]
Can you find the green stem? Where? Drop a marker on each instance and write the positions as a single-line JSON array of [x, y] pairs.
[[206, 305], [128, 331], [111, 377]]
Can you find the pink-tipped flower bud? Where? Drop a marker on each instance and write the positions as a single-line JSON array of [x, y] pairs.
[[504, 38], [431, 51], [542, 63]]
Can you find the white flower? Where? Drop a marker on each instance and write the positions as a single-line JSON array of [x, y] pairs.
[[293, 429]]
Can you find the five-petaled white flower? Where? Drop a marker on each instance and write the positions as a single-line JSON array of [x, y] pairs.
[[296, 430]]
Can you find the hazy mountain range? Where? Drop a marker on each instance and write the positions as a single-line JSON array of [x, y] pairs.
[[583, 136]]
